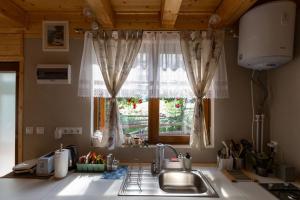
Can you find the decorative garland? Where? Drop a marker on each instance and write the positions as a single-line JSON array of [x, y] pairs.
[[136, 100]]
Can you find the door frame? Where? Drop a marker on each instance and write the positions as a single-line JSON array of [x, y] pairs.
[[19, 101]]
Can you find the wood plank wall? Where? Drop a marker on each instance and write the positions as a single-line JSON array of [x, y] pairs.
[[11, 44]]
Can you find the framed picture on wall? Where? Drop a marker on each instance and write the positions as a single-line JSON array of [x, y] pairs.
[[55, 36]]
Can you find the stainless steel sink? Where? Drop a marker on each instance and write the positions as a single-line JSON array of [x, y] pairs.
[[141, 182], [185, 182]]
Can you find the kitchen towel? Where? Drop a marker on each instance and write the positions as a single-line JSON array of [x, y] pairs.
[[117, 174], [61, 163]]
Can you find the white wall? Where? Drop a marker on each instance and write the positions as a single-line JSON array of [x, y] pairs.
[[285, 106]]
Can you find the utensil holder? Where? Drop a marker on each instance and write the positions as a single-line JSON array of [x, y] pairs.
[[187, 163], [225, 163], [238, 163]]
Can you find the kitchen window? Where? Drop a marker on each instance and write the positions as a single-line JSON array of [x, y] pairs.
[[154, 97], [156, 102], [165, 120]]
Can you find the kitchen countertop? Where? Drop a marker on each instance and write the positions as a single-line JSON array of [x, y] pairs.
[[90, 186]]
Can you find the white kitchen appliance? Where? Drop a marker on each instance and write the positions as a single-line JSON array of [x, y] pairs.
[[266, 35], [45, 165]]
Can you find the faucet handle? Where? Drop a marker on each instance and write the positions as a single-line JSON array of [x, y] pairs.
[[180, 156], [187, 155], [153, 168]]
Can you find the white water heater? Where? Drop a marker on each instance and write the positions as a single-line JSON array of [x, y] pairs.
[[266, 35]]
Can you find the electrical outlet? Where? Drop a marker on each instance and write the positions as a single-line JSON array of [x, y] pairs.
[[29, 130], [75, 130], [78, 131], [70, 130], [40, 130]]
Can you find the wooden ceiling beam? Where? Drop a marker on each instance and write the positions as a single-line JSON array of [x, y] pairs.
[[14, 13], [103, 11], [169, 12], [231, 10]]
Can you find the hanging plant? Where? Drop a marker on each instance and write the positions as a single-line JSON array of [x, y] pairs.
[[179, 102], [134, 101]]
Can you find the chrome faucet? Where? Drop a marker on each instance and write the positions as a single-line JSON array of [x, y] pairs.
[[160, 156]]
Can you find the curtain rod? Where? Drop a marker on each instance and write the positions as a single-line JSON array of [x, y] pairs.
[[81, 30]]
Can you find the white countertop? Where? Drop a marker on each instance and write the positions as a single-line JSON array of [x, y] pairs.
[[90, 186]]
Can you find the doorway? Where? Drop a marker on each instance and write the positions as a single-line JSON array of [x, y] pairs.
[[8, 115]]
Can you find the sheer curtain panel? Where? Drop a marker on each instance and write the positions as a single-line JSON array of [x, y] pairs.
[[201, 53], [85, 86], [116, 52], [158, 71], [91, 83]]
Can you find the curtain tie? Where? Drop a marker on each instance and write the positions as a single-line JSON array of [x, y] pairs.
[[199, 99], [113, 99]]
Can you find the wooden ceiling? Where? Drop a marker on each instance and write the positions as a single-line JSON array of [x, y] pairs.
[[27, 15]]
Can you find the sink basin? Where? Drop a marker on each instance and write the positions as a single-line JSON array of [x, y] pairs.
[[181, 182], [173, 183]]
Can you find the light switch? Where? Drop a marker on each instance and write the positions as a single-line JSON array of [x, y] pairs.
[[29, 130], [40, 130]]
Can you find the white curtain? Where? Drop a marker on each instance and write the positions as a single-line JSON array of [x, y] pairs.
[[116, 52], [219, 85], [159, 70], [91, 83], [113, 52], [202, 52]]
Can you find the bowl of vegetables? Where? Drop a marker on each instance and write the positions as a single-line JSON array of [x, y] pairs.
[[91, 163]]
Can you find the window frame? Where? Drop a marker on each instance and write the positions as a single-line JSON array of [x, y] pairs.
[[153, 135], [99, 113], [153, 121]]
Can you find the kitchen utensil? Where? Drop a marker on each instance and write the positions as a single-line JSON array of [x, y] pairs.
[[235, 147], [222, 153], [240, 151], [226, 148]]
